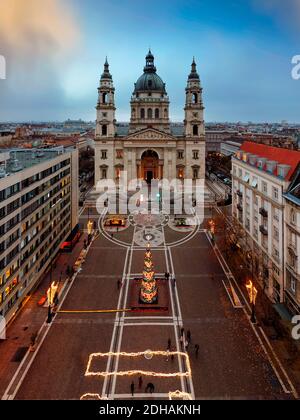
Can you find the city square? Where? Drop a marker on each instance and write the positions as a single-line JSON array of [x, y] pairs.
[[149, 204], [233, 360]]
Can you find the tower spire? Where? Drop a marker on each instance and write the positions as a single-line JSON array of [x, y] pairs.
[[194, 74], [150, 67], [106, 74]]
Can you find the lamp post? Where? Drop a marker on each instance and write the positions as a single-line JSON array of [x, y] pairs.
[[212, 228], [252, 291], [89, 226], [49, 318]]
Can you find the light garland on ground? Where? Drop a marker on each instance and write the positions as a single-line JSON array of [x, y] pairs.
[[186, 374], [89, 396], [179, 394]]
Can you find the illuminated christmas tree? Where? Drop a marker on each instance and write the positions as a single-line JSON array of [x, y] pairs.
[[149, 292]]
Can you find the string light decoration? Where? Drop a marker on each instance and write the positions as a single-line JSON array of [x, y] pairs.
[[89, 396], [149, 292], [93, 356], [179, 395]]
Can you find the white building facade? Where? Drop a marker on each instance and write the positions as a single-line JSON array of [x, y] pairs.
[[261, 175], [150, 147], [38, 210], [292, 246]]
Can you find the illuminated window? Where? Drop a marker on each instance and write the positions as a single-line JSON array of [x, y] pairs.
[[180, 173]]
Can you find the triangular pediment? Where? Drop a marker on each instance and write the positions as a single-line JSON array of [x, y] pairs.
[[150, 134]]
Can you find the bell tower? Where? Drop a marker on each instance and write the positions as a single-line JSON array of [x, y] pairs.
[[194, 109], [105, 125]]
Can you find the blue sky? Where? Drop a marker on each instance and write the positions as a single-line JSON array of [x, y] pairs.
[[243, 49]]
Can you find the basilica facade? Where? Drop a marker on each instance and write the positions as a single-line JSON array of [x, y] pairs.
[[150, 146]]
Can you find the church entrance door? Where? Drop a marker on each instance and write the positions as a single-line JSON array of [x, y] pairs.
[[150, 165]]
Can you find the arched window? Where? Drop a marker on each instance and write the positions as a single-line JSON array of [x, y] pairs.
[[104, 130], [156, 113], [142, 113], [104, 97], [195, 130], [195, 98], [150, 114]]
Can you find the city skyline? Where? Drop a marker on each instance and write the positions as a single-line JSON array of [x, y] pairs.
[[243, 51]]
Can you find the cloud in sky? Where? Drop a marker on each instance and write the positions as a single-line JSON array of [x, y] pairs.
[[286, 13], [36, 37], [55, 51]]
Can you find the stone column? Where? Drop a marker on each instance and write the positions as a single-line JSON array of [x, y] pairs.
[[166, 164], [139, 168], [133, 165]]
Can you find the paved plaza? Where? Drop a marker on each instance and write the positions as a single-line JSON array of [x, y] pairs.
[[233, 361]]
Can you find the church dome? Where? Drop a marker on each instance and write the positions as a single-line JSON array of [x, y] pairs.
[[150, 81]]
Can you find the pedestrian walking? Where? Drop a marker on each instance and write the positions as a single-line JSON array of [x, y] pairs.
[[182, 332], [150, 387], [119, 284], [174, 281], [196, 350], [189, 336], [186, 345], [166, 275], [132, 388], [172, 355], [140, 382], [168, 355], [169, 344]]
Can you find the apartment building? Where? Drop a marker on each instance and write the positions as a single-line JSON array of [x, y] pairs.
[[261, 176], [38, 210], [292, 245]]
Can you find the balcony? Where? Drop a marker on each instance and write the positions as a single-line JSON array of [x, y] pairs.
[[239, 193], [263, 230], [263, 212], [239, 207]]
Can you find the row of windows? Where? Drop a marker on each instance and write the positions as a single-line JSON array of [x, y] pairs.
[[12, 269], [14, 189], [253, 182], [28, 197], [150, 113], [180, 154], [64, 230], [5, 261]]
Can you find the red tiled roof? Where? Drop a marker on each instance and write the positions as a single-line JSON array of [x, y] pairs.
[[280, 155]]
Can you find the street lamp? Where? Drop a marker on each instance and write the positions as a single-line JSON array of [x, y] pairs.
[[89, 226], [212, 229], [252, 292]]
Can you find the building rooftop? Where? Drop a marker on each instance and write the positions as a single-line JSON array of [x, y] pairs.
[[20, 159], [277, 155]]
